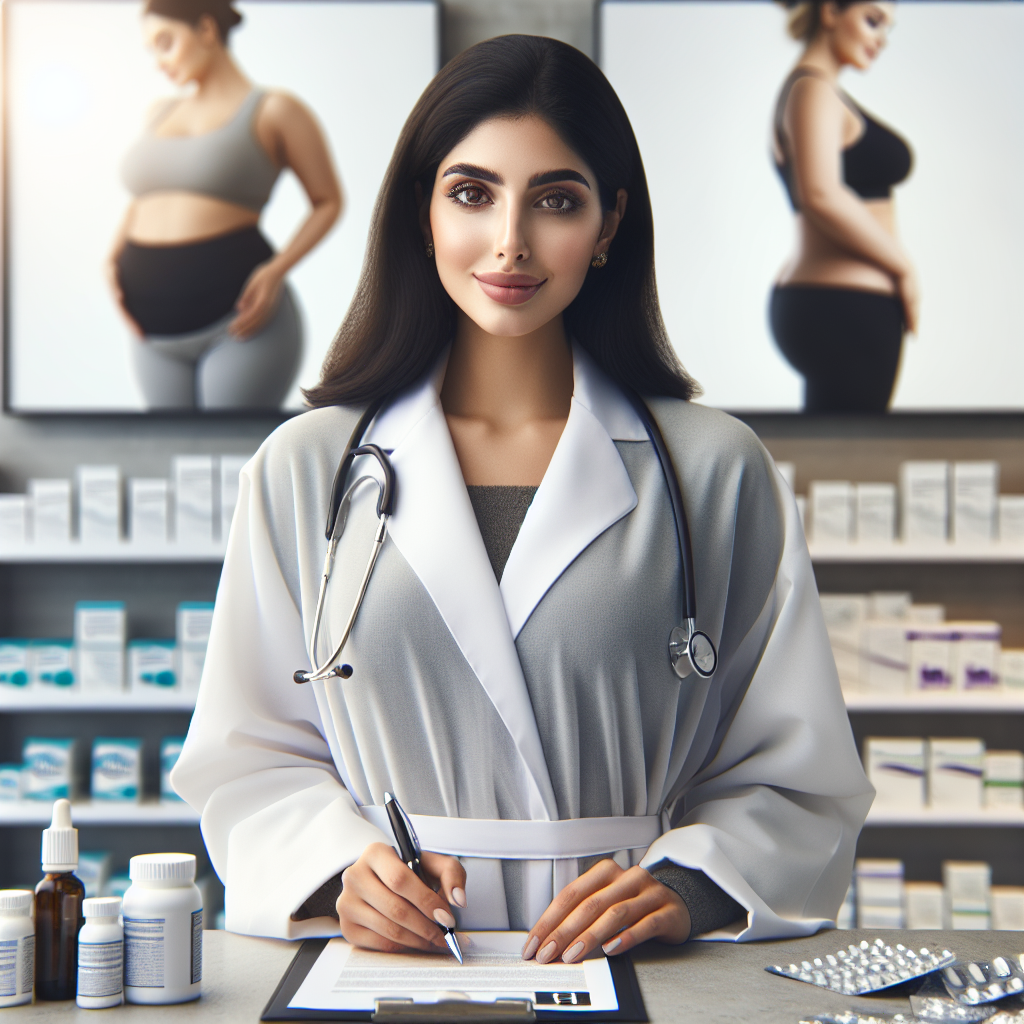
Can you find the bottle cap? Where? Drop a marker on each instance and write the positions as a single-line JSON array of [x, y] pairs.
[[60, 840], [15, 901], [101, 906], [163, 867]]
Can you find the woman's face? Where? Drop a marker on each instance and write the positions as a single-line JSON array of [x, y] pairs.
[[515, 219], [860, 32], [183, 52]]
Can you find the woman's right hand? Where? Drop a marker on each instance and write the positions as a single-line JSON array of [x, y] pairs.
[[384, 906], [910, 295]]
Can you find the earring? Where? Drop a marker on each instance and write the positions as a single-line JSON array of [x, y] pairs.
[[600, 260], [430, 250]]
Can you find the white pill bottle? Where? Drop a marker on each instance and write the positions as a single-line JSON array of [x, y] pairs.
[[163, 930], [101, 954], [17, 947]]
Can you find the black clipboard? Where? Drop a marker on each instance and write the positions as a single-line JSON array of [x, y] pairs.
[[627, 989]]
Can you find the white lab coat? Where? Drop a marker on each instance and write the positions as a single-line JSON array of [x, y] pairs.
[[535, 726]]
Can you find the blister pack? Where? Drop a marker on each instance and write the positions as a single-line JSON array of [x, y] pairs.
[[932, 1003], [855, 1017], [976, 982], [868, 967]]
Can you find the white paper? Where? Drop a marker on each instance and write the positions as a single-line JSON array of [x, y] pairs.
[[344, 977]]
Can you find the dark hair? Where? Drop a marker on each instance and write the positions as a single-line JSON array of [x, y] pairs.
[[225, 17], [805, 16], [401, 317]]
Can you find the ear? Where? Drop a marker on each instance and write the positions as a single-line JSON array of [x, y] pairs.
[[612, 220], [829, 15], [206, 30], [423, 205]]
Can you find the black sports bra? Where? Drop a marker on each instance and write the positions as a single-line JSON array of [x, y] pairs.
[[874, 163]]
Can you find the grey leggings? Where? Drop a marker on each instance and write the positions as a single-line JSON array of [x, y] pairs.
[[211, 369]]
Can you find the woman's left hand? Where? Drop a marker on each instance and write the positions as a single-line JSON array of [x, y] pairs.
[[258, 300], [609, 907]]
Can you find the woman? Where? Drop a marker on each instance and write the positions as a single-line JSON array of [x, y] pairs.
[[216, 325], [841, 304], [507, 675]]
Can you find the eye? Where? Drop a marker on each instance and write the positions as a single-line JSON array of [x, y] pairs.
[[468, 194], [559, 202]]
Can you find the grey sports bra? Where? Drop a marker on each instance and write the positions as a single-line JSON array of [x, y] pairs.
[[228, 163]]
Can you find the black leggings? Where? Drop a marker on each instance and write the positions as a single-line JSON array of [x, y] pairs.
[[845, 342]]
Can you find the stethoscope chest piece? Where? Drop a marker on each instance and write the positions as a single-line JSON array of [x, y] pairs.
[[691, 650]]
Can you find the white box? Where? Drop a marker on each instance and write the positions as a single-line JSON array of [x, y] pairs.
[[117, 769], [1004, 779], [924, 497], [170, 751], [193, 500], [152, 665], [193, 620], [148, 510], [1007, 908], [976, 654], [967, 884], [100, 624], [896, 768], [956, 768], [886, 604], [924, 904], [927, 614], [931, 657], [51, 664], [1011, 518], [99, 504], [10, 782], [14, 520], [51, 511], [48, 772], [876, 513], [230, 467], [831, 511], [844, 616], [970, 920], [1011, 668], [879, 917], [879, 882], [14, 666], [93, 870], [975, 502], [885, 656], [100, 669], [190, 667]]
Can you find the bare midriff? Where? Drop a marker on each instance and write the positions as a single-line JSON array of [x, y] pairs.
[[180, 218], [820, 260]]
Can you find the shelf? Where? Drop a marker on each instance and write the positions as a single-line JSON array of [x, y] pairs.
[[12, 700], [897, 552], [1003, 701], [1007, 818], [114, 553], [153, 812]]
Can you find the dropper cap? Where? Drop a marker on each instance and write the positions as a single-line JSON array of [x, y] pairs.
[[60, 841]]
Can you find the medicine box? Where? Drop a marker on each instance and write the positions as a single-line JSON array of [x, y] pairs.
[[10, 781], [230, 468], [931, 656], [927, 614], [967, 884], [1004, 779], [148, 510], [896, 768], [51, 663], [924, 499], [831, 511], [976, 654], [879, 882], [1011, 519], [844, 617], [170, 751], [975, 502], [955, 773], [14, 520], [100, 624], [99, 505], [116, 769], [193, 622], [875, 513], [93, 870], [100, 669], [889, 604], [51, 511], [14, 667], [924, 905], [1007, 908], [1011, 668], [885, 656], [48, 769], [152, 665], [193, 499]]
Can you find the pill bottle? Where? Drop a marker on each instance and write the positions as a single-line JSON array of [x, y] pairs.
[[163, 929], [17, 947], [58, 909], [101, 954]]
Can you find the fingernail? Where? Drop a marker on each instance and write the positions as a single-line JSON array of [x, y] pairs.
[[546, 953], [570, 954], [610, 947], [459, 897], [531, 947], [443, 918]]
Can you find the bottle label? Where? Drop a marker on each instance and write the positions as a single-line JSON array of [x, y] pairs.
[[17, 965], [197, 945], [100, 968], [144, 952]]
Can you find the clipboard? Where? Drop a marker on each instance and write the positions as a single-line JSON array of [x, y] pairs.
[[627, 991]]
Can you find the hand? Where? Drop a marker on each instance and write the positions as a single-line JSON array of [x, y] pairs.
[[257, 301], [910, 294], [611, 908], [114, 281], [384, 906]]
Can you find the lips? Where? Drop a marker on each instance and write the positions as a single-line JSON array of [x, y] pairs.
[[509, 289]]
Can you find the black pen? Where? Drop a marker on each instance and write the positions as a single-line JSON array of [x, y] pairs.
[[409, 851]]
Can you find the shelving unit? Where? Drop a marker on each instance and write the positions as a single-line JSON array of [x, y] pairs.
[[123, 553], [953, 701], [101, 812], [12, 700], [942, 818], [916, 554]]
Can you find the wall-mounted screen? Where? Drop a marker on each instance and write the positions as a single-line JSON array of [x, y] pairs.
[[95, 122], [701, 81]]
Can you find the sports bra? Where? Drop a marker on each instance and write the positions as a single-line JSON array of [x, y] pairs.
[[874, 163], [228, 163]]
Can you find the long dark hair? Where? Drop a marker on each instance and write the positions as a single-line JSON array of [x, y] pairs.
[[401, 317], [225, 17]]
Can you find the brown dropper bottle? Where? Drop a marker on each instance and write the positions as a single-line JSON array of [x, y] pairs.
[[59, 916]]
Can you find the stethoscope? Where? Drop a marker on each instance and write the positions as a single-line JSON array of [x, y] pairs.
[[689, 649]]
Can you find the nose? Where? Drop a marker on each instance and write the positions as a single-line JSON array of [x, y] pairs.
[[510, 245]]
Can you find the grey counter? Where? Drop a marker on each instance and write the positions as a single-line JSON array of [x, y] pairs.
[[709, 982]]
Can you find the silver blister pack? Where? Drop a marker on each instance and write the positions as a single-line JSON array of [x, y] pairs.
[[932, 1003], [854, 1017], [868, 967], [975, 982]]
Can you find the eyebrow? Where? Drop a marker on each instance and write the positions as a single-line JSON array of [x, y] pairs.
[[547, 178]]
